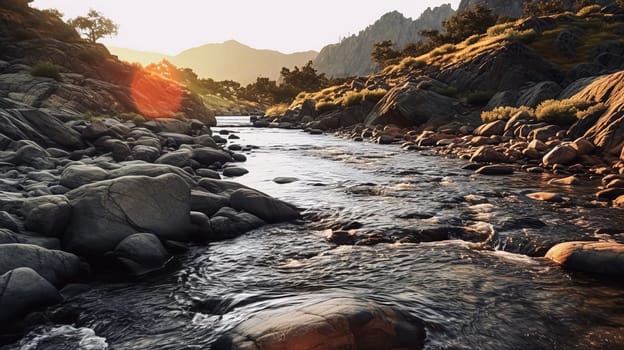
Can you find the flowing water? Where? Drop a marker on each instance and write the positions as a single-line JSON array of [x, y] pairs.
[[492, 296]]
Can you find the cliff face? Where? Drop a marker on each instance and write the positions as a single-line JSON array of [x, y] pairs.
[[352, 55], [77, 77]]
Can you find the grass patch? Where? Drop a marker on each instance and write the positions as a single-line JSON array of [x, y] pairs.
[[323, 107], [357, 97], [589, 10], [277, 110], [561, 112], [47, 70], [524, 36], [443, 50], [503, 113], [499, 29]]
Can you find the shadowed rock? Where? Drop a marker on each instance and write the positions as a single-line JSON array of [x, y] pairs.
[[23, 290], [266, 208], [54, 265], [106, 212]]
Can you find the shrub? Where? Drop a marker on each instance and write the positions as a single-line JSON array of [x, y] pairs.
[[560, 112], [356, 97], [479, 98], [472, 39], [412, 63], [500, 28], [539, 8], [595, 109], [524, 36], [46, 69], [132, 117], [444, 49], [503, 113], [323, 107], [277, 110], [589, 10]]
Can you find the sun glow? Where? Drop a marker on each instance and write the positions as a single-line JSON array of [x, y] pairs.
[[157, 91]]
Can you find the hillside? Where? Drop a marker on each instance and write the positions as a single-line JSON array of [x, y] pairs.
[[226, 61], [563, 70], [351, 57]]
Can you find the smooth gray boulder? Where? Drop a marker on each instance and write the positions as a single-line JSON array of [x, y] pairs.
[[56, 266], [234, 171], [142, 253], [178, 158], [151, 170], [326, 323], [208, 156], [106, 212], [7, 237], [47, 215], [23, 291], [207, 203], [263, 206], [75, 176], [229, 223]]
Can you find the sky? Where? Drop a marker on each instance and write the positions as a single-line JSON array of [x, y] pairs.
[[285, 25]]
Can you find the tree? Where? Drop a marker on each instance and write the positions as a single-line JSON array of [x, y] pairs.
[[537, 8], [384, 52], [468, 23], [94, 26]]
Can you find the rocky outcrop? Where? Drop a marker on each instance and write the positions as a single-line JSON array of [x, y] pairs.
[[351, 56], [326, 323], [607, 132], [409, 105], [505, 66]]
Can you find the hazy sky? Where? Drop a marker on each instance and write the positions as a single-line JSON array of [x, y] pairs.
[[284, 25]]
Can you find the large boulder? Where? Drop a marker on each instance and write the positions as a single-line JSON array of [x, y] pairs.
[[562, 154], [487, 154], [208, 156], [75, 176], [326, 323], [407, 105], [142, 253], [47, 215], [494, 128], [23, 291], [151, 170], [265, 207], [606, 258], [56, 266], [106, 212]]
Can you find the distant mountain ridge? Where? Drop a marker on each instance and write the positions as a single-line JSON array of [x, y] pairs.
[[230, 60], [352, 55]]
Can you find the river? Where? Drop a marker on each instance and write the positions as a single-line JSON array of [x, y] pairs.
[[470, 296]]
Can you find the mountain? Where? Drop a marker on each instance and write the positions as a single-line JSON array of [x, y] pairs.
[[226, 61], [352, 55], [513, 8]]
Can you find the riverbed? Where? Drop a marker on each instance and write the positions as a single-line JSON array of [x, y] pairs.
[[499, 295]]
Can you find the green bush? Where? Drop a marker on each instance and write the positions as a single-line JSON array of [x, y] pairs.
[[46, 69], [560, 112], [503, 113]]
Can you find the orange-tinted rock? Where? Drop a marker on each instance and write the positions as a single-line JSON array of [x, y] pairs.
[[606, 258], [545, 196]]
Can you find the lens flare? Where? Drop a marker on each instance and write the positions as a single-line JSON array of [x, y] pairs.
[[156, 90]]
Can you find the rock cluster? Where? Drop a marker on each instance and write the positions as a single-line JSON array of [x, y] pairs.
[[78, 197]]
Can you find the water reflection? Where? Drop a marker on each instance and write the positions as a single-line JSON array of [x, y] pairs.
[[470, 296]]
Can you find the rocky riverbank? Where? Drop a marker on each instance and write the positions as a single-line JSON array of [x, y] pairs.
[[111, 197]]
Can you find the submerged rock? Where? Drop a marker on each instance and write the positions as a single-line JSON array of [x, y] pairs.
[[266, 208], [327, 323]]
